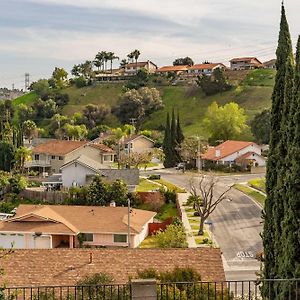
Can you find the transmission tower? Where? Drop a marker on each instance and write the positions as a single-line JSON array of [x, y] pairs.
[[27, 82]]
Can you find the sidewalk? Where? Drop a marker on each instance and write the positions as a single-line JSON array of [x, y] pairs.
[[182, 197]]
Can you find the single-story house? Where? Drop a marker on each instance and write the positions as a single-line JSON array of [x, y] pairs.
[[52, 155], [132, 68], [236, 152], [56, 267], [81, 170], [245, 63], [63, 226], [178, 70], [138, 144], [205, 68]]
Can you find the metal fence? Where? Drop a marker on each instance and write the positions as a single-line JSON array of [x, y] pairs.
[[228, 290], [285, 289]]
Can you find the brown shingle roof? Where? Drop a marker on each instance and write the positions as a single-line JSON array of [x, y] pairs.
[[173, 68], [226, 148], [90, 219], [58, 147], [102, 147], [248, 59], [67, 266]]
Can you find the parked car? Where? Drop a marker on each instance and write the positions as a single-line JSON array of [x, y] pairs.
[[180, 166]]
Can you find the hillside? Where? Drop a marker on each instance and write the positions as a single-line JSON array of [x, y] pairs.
[[253, 93]]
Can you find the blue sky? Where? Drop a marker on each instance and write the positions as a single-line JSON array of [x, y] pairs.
[[38, 35]]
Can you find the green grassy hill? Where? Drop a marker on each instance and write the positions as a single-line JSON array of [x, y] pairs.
[[253, 93]]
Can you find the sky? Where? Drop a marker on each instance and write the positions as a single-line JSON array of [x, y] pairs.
[[38, 35]]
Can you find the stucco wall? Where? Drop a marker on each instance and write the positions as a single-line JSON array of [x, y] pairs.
[[75, 173], [141, 145]]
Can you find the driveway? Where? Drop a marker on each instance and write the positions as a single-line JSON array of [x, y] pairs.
[[236, 225]]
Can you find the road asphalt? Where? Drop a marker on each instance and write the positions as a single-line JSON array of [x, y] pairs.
[[236, 224]]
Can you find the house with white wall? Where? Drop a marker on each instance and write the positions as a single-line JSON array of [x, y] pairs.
[[132, 68], [240, 153], [245, 63], [63, 226], [205, 68]]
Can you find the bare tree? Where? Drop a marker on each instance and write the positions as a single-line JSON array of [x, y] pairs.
[[204, 197]]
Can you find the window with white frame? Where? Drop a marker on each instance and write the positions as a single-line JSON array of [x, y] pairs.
[[120, 238], [87, 237]]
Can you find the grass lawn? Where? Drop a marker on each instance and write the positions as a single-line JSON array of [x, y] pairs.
[[260, 77], [146, 186], [170, 186], [167, 211], [149, 242], [257, 196], [27, 99], [259, 184]]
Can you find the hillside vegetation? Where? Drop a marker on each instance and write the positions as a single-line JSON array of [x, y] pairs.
[[252, 92]]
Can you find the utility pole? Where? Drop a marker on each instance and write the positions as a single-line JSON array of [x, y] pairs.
[[128, 237], [27, 81]]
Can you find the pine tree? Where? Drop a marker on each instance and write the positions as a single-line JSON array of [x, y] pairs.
[[174, 141], [273, 207], [180, 136]]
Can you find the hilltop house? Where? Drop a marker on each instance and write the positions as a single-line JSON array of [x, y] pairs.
[[205, 68], [178, 70], [132, 68], [245, 63], [52, 155], [240, 153], [270, 64], [62, 226]]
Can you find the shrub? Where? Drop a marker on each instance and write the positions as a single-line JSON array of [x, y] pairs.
[[154, 177], [170, 196], [173, 237]]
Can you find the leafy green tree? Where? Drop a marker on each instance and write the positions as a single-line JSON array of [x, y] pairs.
[[95, 114], [7, 154], [30, 130], [276, 208], [96, 131], [224, 122], [260, 126], [117, 191], [60, 76], [75, 132], [179, 133], [24, 113], [97, 192], [45, 109], [173, 237], [22, 155], [186, 61], [41, 87]]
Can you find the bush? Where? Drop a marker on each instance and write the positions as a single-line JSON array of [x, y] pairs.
[[154, 177], [80, 82], [170, 196], [173, 237]]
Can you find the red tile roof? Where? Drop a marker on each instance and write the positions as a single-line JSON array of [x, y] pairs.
[[226, 148], [205, 66], [102, 147], [245, 156], [173, 68], [34, 267], [58, 147]]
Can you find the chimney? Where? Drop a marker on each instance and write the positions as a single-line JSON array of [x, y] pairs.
[[218, 152], [112, 204]]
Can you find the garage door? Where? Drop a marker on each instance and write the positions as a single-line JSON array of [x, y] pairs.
[[17, 241], [42, 242]]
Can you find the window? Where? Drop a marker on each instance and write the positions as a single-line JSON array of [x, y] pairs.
[[52, 156], [120, 238], [60, 158], [87, 237], [36, 157]]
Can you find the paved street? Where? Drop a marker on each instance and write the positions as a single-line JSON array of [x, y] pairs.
[[236, 225]]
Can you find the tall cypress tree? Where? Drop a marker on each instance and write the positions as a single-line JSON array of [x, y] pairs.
[[167, 145], [290, 259], [180, 136], [272, 213], [174, 140]]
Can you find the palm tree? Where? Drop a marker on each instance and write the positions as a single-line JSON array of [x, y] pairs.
[[136, 54], [130, 57], [98, 62], [123, 63], [111, 56], [22, 155]]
